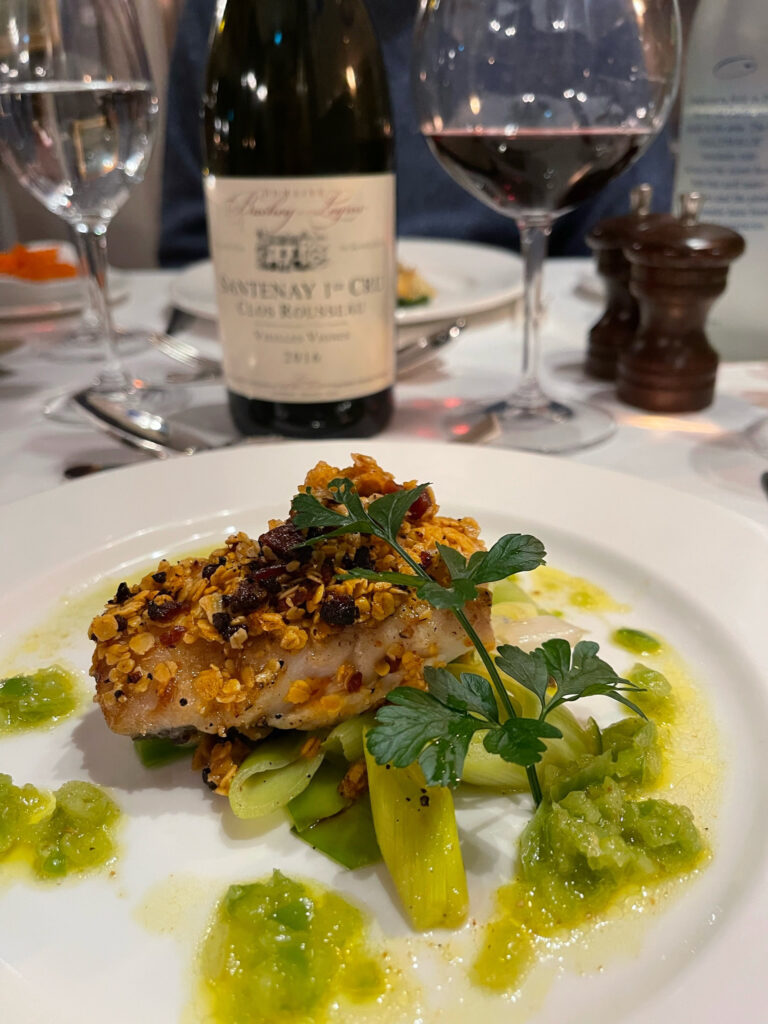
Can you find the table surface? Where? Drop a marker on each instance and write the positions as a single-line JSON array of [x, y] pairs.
[[704, 453]]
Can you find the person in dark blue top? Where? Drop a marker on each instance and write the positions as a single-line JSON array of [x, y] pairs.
[[429, 202]]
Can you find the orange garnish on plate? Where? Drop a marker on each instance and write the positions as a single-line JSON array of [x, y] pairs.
[[35, 264]]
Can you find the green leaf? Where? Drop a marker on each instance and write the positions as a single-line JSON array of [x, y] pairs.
[[398, 579], [557, 656], [347, 495], [309, 511], [412, 724], [515, 552], [604, 690], [520, 740], [448, 597], [389, 511], [530, 670], [455, 562], [469, 693], [442, 761], [405, 725], [588, 671], [580, 673]]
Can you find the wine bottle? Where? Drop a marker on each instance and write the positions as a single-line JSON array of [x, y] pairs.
[[300, 198]]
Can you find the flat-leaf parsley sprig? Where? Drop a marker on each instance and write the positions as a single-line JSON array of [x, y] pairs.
[[436, 727]]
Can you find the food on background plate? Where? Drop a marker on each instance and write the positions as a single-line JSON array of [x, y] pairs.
[[412, 289], [31, 264]]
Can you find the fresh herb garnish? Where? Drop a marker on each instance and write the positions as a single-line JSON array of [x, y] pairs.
[[572, 673], [436, 727]]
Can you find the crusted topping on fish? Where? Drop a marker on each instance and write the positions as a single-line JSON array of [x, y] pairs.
[[276, 587]]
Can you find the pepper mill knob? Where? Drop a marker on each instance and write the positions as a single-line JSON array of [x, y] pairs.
[[678, 269], [617, 326], [690, 204]]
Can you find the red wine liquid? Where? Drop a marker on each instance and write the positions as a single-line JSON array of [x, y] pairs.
[[543, 171]]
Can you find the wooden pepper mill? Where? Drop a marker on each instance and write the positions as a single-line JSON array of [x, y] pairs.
[[617, 326], [678, 269]]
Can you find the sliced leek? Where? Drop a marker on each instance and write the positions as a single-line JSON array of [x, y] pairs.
[[417, 834], [273, 774], [512, 611], [321, 799], [155, 751], [348, 837], [488, 770], [346, 739], [509, 591]]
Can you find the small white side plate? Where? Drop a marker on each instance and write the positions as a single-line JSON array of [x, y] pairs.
[[36, 300]]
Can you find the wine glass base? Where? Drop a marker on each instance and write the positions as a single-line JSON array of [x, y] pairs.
[[151, 398], [85, 345], [550, 428]]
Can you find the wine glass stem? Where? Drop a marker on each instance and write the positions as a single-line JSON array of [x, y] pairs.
[[93, 257], [90, 321], [533, 245]]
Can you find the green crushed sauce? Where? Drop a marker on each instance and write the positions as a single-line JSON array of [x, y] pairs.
[[69, 831], [37, 701], [284, 951], [656, 698], [551, 587], [636, 641], [591, 839]]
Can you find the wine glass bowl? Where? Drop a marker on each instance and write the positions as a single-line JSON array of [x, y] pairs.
[[533, 107], [78, 110]]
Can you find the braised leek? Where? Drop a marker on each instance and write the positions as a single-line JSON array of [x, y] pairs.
[[417, 834], [272, 775]]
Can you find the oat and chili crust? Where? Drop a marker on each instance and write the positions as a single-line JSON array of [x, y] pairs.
[[249, 589]]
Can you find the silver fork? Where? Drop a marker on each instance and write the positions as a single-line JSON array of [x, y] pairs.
[[409, 357]]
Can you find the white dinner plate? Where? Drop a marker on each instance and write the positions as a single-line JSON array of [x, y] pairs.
[[83, 951], [37, 300], [467, 277]]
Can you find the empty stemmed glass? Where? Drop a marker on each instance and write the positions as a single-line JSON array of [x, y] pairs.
[[533, 106], [77, 116]]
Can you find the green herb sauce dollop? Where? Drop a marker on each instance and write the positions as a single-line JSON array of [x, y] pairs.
[[70, 831], [593, 837], [281, 950], [37, 701]]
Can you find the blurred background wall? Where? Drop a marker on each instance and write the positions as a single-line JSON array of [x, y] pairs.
[[134, 233]]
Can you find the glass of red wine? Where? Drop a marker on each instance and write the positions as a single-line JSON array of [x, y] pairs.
[[533, 106]]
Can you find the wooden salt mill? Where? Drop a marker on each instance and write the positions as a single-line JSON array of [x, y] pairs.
[[678, 269], [617, 326]]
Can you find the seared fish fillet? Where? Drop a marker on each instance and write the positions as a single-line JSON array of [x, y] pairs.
[[262, 634]]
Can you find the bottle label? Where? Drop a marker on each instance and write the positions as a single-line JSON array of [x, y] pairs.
[[305, 279]]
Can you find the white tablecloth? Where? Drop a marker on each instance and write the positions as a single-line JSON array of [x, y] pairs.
[[704, 453]]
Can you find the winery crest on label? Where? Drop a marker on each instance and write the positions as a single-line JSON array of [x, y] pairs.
[[303, 268]]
